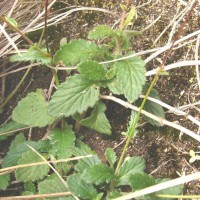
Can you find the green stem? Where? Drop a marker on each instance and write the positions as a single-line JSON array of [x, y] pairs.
[[134, 124], [55, 75], [14, 91]]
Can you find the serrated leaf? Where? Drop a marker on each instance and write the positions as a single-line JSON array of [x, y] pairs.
[[52, 185], [131, 121], [131, 75], [111, 156], [32, 173], [32, 110], [92, 70], [10, 126], [115, 86], [32, 55], [76, 51], [152, 107], [61, 140], [98, 120], [76, 94], [140, 181], [130, 166], [4, 181], [81, 188], [98, 174], [176, 190], [85, 163], [29, 186], [20, 138], [101, 32], [15, 154]]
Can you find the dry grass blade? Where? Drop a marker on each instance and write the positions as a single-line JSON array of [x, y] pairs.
[[34, 14], [8, 169], [175, 65], [36, 196], [9, 39], [161, 186], [158, 119], [54, 170]]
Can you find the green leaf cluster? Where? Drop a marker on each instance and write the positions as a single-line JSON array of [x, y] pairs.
[[32, 55], [86, 178], [32, 110]]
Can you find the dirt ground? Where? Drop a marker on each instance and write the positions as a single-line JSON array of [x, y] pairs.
[[165, 150]]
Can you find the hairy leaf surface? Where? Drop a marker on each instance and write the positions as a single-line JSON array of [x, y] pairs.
[[115, 86], [32, 173], [131, 75], [10, 126], [32, 110], [130, 166], [92, 70], [140, 181], [76, 94], [98, 174], [4, 181], [98, 120], [100, 32], [176, 190], [152, 107], [81, 188], [76, 51], [52, 185], [31, 55], [85, 163], [14, 154], [61, 140], [111, 156], [20, 138]]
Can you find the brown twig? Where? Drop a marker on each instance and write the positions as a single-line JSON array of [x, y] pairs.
[[45, 25], [36, 196], [124, 15], [24, 36]]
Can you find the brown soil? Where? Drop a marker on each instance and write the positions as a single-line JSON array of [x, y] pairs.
[[164, 149]]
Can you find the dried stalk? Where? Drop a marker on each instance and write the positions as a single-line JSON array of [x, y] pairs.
[[158, 119]]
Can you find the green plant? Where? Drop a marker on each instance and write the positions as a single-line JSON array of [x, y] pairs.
[[91, 179], [81, 93], [73, 97]]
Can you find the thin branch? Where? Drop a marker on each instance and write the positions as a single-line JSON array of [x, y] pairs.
[[196, 58], [157, 51], [165, 29], [174, 65], [9, 39], [174, 110], [14, 131], [59, 176], [36, 196], [151, 24], [161, 186], [55, 20], [165, 48], [158, 119], [19, 69], [8, 169]]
